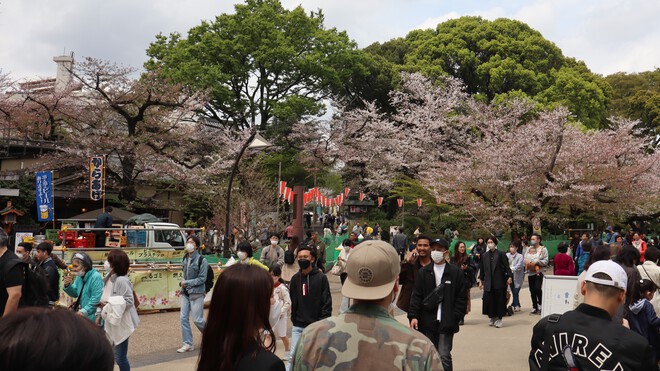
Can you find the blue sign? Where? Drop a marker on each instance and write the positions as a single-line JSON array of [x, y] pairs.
[[44, 193]]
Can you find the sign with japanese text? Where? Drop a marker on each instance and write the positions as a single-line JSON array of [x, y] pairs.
[[96, 168], [44, 195]]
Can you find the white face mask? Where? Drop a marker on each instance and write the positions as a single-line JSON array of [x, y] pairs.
[[437, 256], [106, 265], [491, 246], [190, 247], [274, 242], [242, 255], [20, 256], [79, 273]]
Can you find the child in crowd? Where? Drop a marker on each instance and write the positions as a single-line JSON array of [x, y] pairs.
[[586, 251], [531, 261], [281, 295], [642, 317]]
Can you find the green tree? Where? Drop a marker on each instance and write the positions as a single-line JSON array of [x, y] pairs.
[[637, 96], [497, 57], [584, 94], [263, 63]]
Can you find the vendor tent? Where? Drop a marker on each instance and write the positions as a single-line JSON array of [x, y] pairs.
[[143, 218], [118, 216]]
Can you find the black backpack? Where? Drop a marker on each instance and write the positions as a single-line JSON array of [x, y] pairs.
[[289, 258], [210, 275], [34, 292]]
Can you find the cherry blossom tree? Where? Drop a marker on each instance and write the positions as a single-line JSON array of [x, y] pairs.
[[502, 164], [145, 126]]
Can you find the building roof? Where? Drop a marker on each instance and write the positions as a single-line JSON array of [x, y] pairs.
[[11, 210], [118, 215]]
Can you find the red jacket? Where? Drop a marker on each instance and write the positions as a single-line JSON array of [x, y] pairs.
[[564, 265]]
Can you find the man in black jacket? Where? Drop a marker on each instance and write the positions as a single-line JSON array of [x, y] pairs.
[[310, 295], [43, 257], [439, 301], [586, 338], [104, 220]]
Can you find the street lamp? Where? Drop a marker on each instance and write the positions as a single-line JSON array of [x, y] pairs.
[[255, 141]]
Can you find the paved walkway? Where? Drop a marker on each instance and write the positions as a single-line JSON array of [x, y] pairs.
[[476, 346]]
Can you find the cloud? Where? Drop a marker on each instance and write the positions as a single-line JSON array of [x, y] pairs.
[[609, 35]]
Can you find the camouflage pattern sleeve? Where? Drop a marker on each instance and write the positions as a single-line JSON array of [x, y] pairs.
[[359, 342]]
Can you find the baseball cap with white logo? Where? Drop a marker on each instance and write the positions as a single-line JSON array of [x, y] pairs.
[[618, 277], [372, 269]]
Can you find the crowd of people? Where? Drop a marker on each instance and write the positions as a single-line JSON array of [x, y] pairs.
[[288, 286], [99, 322]]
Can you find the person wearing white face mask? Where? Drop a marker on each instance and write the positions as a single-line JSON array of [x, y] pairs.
[[494, 277], [117, 306], [439, 300], [192, 292], [244, 254], [272, 254], [340, 267], [87, 287]]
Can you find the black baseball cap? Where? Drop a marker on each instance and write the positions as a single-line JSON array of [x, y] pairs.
[[440, 241]]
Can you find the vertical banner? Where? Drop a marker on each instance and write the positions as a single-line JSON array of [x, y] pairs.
[[96, 169], [282, 187], [44, 193], [380, 201], [346, 192], [399, 202], [419, 202], [437, 200], [361, 196]]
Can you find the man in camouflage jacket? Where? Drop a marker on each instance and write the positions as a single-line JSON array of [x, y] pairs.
[[366, 337]]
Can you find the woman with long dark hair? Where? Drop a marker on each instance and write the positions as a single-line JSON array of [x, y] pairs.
[[462, 260], [232, 336]]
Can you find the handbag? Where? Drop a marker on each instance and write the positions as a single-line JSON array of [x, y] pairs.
[[337, 269], [432, 300]]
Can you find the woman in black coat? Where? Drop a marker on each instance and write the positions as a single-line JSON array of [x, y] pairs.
[[494, 277]]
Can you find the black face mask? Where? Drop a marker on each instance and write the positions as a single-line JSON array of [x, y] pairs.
[[304, 264]]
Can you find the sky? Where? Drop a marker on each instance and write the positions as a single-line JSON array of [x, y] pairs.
[[608, 35]]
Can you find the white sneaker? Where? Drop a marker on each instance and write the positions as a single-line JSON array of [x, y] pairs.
[[498, 323], [185, 348], [491, 322], [516, 309], [287, 356]]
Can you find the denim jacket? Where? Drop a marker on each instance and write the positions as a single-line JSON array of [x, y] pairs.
[[194, 276]]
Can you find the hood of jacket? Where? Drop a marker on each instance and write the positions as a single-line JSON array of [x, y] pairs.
[[637, 306]]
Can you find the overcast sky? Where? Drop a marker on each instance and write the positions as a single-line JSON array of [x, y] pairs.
[[609, 35]]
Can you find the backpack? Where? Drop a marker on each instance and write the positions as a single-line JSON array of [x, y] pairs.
[[210, 275], [34, 292], [289, 258]]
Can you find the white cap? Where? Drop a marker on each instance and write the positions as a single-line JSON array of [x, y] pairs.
[[618, 277]]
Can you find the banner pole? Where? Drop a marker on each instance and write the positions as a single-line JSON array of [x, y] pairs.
[[104, 159], [52, 196]]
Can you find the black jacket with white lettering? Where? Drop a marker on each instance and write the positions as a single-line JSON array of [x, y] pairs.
[[597, 343]]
